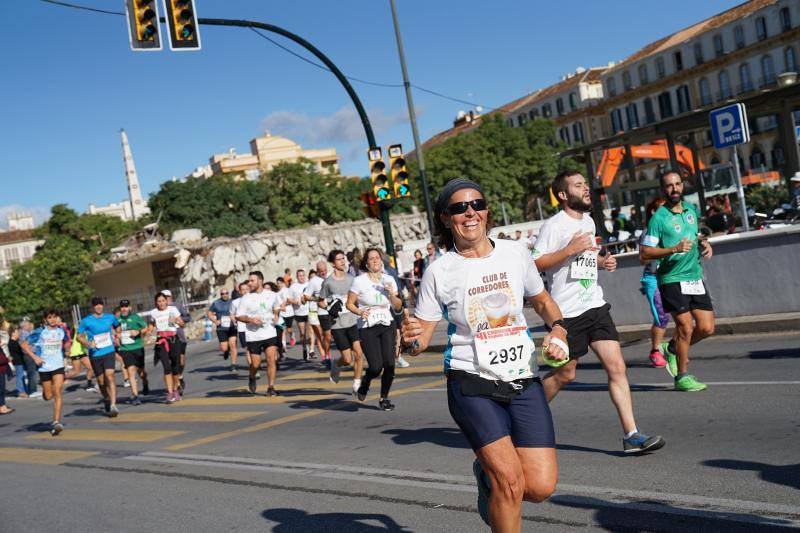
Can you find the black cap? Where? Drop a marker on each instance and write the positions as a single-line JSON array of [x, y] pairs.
[[97, 301], [450, 188], [125, 303]]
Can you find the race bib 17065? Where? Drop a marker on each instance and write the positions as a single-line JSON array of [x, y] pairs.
[[584, 266], [504, 353]]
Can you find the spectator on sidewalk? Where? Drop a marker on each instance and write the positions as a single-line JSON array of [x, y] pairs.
[[4, 409]]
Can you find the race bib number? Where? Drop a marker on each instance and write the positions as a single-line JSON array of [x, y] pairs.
[[126, 338], [162, 323], [584, 266], [504, 353], [103, 340], [313, 306], [225, 322], [379, 315], [51, 348], [695, 287]]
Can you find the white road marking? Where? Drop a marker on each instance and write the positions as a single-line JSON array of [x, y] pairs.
[[651, 501]]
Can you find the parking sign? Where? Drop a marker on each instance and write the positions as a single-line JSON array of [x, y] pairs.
[[729, 126]]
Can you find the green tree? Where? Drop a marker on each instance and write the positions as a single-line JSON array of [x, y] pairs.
[[96, 233], [765, 198]]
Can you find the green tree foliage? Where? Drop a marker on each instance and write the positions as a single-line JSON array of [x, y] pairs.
[[288, 196], [96, 233], [765, 198], [515, 165]]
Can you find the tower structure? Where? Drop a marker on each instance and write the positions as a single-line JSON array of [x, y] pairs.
[[138, 206]]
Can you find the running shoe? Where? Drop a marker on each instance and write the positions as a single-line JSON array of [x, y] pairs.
[[56, 428], [258, 375], [356, 386], [305, 354], [672, 360], [92, 388], [177, 395], [233, 368], [688, 383], [657, 359], [126, 384], [336, 370], [170, 398], [327, 364], [107, 406], [272, 392], [639, 443], [36, 394], [251, 385], [136, 401], [312, 354], [292, 342], [145, 387], [386, 405], [113, 411], [402, 363], [484, 490], [361, 392]]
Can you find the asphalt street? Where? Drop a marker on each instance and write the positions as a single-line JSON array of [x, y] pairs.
[[314, 459]]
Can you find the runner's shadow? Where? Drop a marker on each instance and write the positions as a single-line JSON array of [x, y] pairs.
[[310, 392], [98, 411], [211, 369], [238, 393], [332, 404], [297, 520], [595, 387], [39, 427], [647, 516], [447, 437], [225, 377], [783, 353], [576, 448], [788, 475]]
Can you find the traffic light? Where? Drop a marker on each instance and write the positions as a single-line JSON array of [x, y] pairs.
[[377, 175], [143, 24], [181, 18], [397, 166]]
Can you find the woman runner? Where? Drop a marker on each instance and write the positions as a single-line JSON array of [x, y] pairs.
[[166, 319]]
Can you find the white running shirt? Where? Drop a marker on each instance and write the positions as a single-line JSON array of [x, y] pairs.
[[161, 319], [374, 296], [296, 291], [283, 294], [312, 289], [261, 305]]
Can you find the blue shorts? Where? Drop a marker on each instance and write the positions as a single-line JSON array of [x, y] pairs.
[[526, 419]]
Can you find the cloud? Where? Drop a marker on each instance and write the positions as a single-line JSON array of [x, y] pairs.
[[40, 214], [344, 126]]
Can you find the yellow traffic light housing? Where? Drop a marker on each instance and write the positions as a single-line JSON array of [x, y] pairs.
[[143, 27], [397, 166], [181, 17], [377, 175]]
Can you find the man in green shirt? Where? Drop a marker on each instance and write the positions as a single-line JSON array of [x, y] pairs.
[[673, 238], [131, 348]]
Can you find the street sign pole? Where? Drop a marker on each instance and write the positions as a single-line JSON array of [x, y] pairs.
[[739, 189]]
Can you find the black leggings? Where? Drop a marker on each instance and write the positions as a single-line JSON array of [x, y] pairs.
[[378, 343], [170, 360]]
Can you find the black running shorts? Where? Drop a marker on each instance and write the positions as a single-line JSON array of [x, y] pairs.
[[102, 363], [345, 337], [259, 347], [593, 325], [133, 358], [674, 301], [48, 376]]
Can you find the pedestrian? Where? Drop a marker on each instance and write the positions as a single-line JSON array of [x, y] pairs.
[[493, 391], [433, 254], [371, 298], [18, 360], [566, 252], [674, 239], [26, 329], [4, 371]]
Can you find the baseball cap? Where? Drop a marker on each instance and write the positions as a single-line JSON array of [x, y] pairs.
[[125, 303], [97, 301], [796, 177], [166, 292]]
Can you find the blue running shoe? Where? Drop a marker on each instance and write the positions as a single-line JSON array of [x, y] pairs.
[[640, 443], [484, 490]]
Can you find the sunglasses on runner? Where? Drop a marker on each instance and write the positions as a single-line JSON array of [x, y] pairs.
[[458, 208]]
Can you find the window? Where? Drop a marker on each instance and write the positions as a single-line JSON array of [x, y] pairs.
[[12, 256], [632, 114], [677, 61], [684, 102], [745, 79], [612, 87], [649, 112], [573, 102], [533, 113], [616, 121], [724, 85], [738, 37], [705, 92], [660, 70], [547, 111], [757, 160], [761, 28], [577, 132], [559, 106], [665, 105], [563, 133], [697, 48], [643, 77], [719, 46], [786, 19], [767, 71], [626, 80], [790, 59], [521, 120]]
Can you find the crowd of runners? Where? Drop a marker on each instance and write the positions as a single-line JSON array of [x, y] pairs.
[[356, 304]]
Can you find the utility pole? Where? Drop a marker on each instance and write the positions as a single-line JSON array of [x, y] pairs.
[[412, 116]]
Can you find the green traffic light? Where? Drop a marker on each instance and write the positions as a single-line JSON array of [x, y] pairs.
[[383, 194], [403, 190], [149, 32], [187, 31]]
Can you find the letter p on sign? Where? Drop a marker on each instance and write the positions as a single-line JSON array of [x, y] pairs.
[[729, 126]]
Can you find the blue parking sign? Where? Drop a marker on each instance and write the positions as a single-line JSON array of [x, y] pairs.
[[729, 126]]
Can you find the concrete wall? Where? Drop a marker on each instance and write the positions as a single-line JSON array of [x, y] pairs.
[[749, 274]]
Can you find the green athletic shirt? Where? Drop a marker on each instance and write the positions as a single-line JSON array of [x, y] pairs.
[[132, 321], [665, 230]]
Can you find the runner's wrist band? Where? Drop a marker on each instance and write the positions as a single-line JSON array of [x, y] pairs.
[[560, 323], [561, 344]]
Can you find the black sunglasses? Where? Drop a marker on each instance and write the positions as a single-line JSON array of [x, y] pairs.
[[458, 208]]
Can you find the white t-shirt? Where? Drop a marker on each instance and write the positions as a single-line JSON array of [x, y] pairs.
[[573, 283], [161, 319], [261, 305], [296, 292], [374, 295], [312, 290], [283, 295], [455, 288], [241, 327]]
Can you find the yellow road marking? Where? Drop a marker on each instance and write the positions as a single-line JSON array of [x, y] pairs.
[[183, 416], [36, 456], [284, 420], [110, 435]]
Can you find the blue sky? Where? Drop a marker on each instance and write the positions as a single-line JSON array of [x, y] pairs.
[[71, 81]]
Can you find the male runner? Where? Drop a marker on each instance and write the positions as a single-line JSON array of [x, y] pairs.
[[565, 251], [181, 343], [259, 310], [333, 294], [97, 332], [287, 313], [220, 315], [300, 309], [673, 238], [322, 328], [241, 327], [51, 342], [131, 348]]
